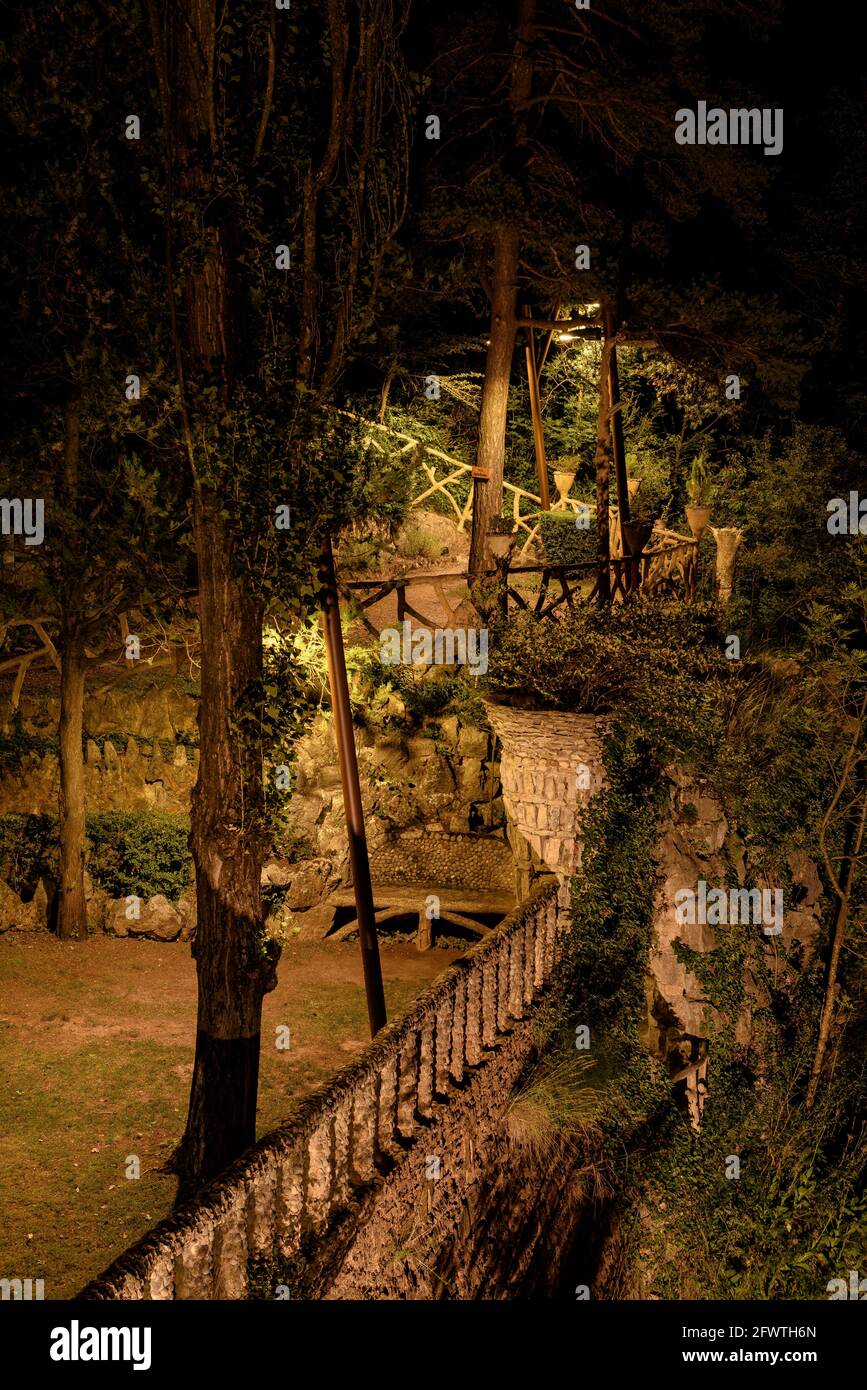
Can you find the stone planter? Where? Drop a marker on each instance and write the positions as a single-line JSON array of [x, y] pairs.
[[563, 480], [550, 767], [698, 518]]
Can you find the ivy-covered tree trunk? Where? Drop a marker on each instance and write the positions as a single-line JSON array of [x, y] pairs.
[[72, 908], [488, 490], [235, 967]]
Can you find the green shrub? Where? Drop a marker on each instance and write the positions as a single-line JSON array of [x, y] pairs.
[[28, 849], [141, 852], [593, 659], [126, 852], [565, 543]]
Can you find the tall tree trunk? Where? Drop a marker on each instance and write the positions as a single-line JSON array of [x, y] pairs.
[[490, 457], [603, 476], [488, 491], [235, 965], [72, 909]]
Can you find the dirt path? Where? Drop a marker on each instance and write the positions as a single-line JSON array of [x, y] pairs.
[[96, 1052]]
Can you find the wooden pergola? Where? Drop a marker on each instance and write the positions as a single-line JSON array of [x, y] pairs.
[[538, 337]]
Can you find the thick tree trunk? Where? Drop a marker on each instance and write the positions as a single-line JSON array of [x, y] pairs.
[[488, 487], [488, 492], [603, 476], [235, 964], [234, 961], [72, 909]]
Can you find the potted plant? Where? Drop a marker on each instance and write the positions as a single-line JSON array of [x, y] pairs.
[[699, 492]]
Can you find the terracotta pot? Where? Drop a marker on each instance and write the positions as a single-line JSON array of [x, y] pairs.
[[697, 518]]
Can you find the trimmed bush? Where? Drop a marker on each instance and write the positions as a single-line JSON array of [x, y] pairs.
[[565, 543], [141, 852], [126, 852]]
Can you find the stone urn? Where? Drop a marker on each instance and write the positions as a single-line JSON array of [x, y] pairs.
[[550, 767], [697, 518], [563, 480]]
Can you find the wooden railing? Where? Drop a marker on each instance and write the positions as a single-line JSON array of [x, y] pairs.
[[525, 506], [284, 1194]]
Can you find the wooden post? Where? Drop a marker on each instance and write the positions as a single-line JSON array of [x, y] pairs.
[[348, 760], [616, 410], [603, 479], [536, 413]]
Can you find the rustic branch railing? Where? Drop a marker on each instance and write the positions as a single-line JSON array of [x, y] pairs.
[[285, 1193], [458, 471]]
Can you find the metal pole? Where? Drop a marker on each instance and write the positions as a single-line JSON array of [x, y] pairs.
[[351, 792]]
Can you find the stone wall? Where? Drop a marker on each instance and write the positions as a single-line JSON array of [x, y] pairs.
[[323, 1202], [697, 843], [448, 861], [145, 759], [433, 807], [137, 778]]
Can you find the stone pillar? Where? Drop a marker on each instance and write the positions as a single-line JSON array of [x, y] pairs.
[[728, 539], [550, 767]]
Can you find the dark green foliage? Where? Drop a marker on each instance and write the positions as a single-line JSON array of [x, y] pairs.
[[777, 489], [564, 542], [28, 849], [593, 659], [140, 852], [424, 696], [16, 745]]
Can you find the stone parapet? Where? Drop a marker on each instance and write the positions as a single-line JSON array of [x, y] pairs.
[[295, 1186]]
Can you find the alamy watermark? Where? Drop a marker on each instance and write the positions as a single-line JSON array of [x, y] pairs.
[[739, 126], [445, 646], [23, 516], [77, 1343], [718, 907], [847, 516], [25, 1289]]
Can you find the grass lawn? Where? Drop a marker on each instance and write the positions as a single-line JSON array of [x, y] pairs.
[[96, 1055]]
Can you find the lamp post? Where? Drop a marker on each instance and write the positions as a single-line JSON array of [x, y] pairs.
[[348, 761]]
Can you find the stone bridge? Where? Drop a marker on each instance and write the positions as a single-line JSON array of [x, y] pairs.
[[397, 1179]]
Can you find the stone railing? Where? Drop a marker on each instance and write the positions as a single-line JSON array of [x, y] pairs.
[[284, 1193]]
